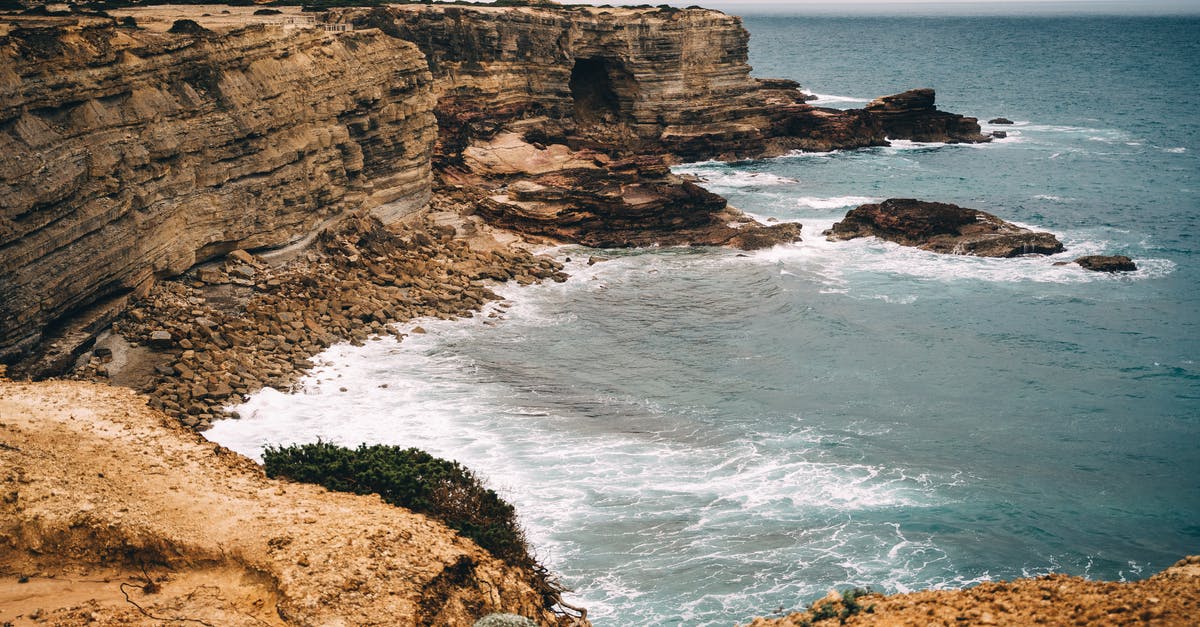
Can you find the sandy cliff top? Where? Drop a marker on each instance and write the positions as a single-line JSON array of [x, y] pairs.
[[102, 494]]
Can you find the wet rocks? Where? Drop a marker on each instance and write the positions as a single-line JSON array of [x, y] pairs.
[[589, 198], [1107, 263], [212, 343], [942, 228], [1000, 121], [912, 115]]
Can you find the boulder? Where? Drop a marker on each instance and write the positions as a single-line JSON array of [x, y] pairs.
[[161, 339], [999, 134], [1107, 263], [942, 228], [1000, 121]]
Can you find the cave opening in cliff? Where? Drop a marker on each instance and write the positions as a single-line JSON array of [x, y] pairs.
[[593, 91]]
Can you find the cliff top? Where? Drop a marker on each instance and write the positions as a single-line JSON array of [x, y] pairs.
[[112, 512]]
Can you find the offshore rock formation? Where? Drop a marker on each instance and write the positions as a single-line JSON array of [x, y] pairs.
[[942, 228], [1107, 263], [912, 115], [108, 503], [130, 155]]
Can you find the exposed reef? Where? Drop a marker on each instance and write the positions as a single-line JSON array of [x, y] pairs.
[[942, 228], [593, 199], [1107, 263]]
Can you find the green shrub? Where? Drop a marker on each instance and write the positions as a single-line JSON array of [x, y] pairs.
[[416, 480]]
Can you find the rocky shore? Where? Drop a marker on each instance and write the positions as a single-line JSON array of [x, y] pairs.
[[173, 147], [194, 212], [199, 343], [1171, 597]]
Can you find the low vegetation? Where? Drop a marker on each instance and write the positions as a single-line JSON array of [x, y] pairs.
[[416, 480]]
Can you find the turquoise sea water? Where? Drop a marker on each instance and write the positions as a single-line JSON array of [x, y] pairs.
[[697, 437]]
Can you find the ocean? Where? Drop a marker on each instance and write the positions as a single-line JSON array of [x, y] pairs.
[[698, 437]]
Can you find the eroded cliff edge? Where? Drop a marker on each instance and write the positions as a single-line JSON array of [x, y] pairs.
[[113, 513], [130, 155], [633, 80]]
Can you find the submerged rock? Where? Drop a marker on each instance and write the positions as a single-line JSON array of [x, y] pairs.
[[942, 228], [1000, 121], [1107, 263]]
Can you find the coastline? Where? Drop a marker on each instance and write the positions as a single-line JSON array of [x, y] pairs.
[[242, 321], [204, 341]]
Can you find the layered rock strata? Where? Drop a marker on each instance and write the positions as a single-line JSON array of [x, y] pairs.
[[633, 81], [912, 115], [942, 228], [592, 199], [599, 93], [115, 514], [172, 148], [130, 155]]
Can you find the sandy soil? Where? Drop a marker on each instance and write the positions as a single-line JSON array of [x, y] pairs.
[[111, 513]]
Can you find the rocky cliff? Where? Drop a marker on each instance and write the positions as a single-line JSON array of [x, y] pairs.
[[657, 74], [632, 80], [129, 155]]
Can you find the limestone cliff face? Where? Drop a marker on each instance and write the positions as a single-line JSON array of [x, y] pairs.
[[127, 155], [632, 81], [664, 75]]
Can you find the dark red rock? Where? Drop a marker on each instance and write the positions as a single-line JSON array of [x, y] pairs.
[[1107, 263], [942, 228]]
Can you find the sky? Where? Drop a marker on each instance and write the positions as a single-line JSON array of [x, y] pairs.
[[963, 7]]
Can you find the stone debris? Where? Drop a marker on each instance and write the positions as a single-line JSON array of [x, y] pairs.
[[216, 342]]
